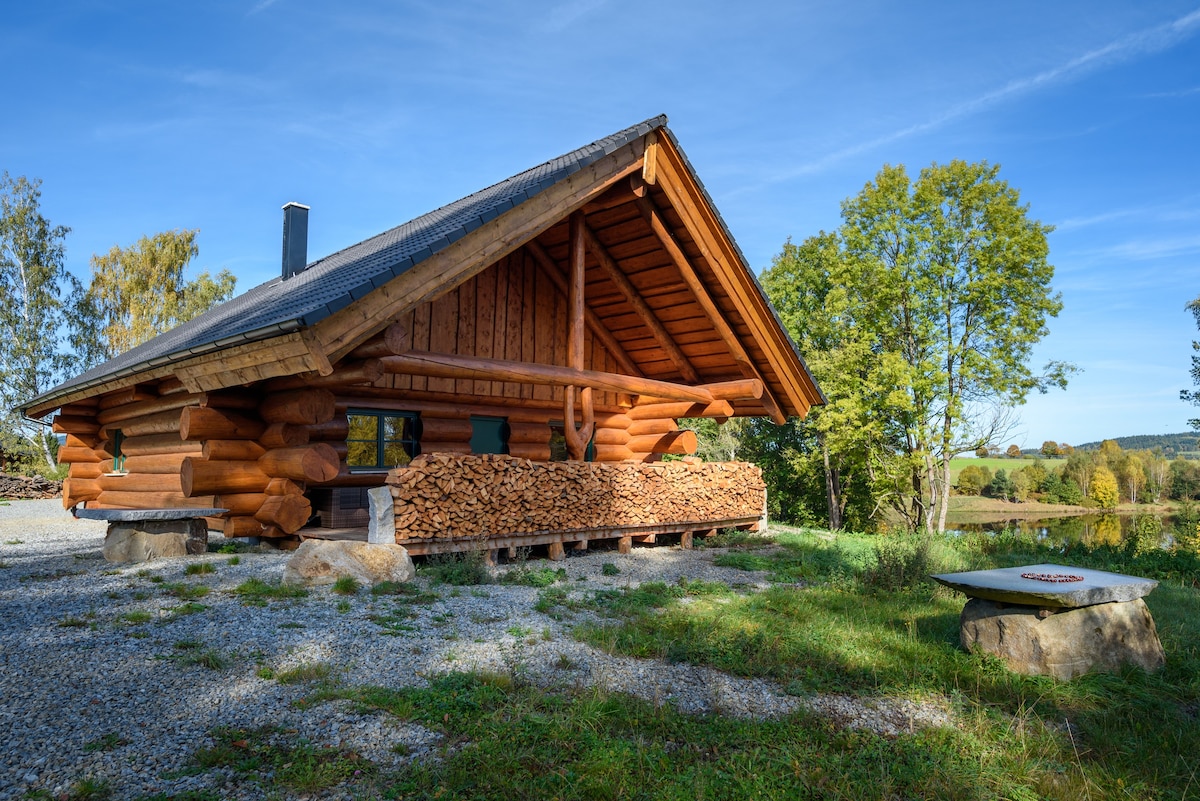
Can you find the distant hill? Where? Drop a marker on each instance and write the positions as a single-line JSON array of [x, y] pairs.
[[1171, 444]]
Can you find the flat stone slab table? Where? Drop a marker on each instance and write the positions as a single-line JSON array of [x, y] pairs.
[[1057, 620], [138, 535]]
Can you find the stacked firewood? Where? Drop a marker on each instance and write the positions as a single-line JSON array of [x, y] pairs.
[[452, 496]]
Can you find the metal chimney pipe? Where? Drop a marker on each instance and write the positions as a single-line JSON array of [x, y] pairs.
[[295, 239]]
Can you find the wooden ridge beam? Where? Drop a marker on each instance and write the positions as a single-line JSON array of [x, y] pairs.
[[445, 365], [615, 274], [707, 304], [594, 323]]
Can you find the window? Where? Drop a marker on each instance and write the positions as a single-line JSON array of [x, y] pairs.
[[489, 434], [118, 464], [381, 440]]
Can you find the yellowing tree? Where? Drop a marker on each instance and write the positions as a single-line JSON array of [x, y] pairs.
[[1104, 488], [138, 292]]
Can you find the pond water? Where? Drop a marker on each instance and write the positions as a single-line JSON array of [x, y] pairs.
[[1090, 529]]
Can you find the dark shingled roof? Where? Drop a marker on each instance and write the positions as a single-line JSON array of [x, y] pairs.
[[329, 284]]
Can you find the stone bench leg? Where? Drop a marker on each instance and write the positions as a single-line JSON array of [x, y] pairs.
[[142, 540]]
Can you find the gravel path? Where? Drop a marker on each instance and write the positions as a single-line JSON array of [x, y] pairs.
[[95, 680]]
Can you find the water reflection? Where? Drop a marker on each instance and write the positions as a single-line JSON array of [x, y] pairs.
[[1092, 530]]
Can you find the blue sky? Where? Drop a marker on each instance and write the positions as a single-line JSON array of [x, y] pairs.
[[146, 116]]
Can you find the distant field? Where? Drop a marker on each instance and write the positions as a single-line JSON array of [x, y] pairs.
[[993, 464]]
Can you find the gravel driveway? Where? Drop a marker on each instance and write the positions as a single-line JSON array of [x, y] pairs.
[[98, 677]]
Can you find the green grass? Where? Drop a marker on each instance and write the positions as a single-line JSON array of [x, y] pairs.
[[995, 463], [305, 674], [256, 592], [199, 569], [529, 576], [462, 569], [346, 585], [290, 761]]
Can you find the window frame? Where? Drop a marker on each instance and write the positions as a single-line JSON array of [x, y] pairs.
[[380, 447]]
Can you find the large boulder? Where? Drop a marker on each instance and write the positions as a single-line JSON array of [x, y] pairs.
[[1066, 643], [143, 540], [318, 562]]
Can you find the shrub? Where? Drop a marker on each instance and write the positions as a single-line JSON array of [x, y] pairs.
[[901, 561], [461, 569]]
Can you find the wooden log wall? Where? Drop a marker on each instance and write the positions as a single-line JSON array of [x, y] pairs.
[[451, 497]]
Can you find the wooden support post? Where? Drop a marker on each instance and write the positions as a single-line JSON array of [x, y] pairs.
[[580, 545], [556, 551], [577, 438], [685, 540], [625, 544]]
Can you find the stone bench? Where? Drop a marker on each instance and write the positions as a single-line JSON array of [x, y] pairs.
[[1053, 620], [138, 535]]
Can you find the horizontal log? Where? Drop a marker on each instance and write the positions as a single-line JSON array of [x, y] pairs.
[[284, 435], [298, 406], [389, 342], [612, 453], [167, 422], [660, 426], [154, 500], [78, 490], [448, 404], [74, 424], [81, 441], [87, 469], [336, 429], [288, 512], [532, 433], [241, 503], [69, 455], [739, 389], [677, 409], [612, 420], [158, 443], [314, 462], [444, 429], [141, 482], [611, 436], [232, 450], [128, 395], [201, 477], [198, 423], [445, 447], [441, 365], [242, 526], [232, 398], [346, 375], [679, 443], [147, 408], [538, 452], [155, 463]]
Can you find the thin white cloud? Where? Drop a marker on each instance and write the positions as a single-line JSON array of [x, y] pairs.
[[1150, 40], [261, 5], [565, 14]]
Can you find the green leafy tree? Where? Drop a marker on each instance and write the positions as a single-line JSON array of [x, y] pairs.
[[1049, 449], [1104, 488], [36, 292], [139, 292], [1000, 486], [971, 480], [1013, 452], [949, 274]]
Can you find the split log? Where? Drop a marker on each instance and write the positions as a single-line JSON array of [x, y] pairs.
[[315, 462], [675, 442], [298, 406], [284, 435], [201, 477], [232, 450], [197, 423], [288, 512]]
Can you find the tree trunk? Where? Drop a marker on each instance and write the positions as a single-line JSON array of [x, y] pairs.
[[833, 490]]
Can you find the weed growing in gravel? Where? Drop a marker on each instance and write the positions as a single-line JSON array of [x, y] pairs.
[[344, 606], [136, 617], [289, 760], [140, 595], [394, 623], [610, 569], [71, 622], [461, 569], [199, 568], [106, 742], [228, 546], [306, 673], [533, 576], [13, 542], [90, 789], [291, 625], [189, 608], [234, 560], [193, 653], [346, 585], [186, 795], [256, 592], [185, 592]]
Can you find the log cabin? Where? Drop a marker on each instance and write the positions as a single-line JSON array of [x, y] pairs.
[[535, 342]]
